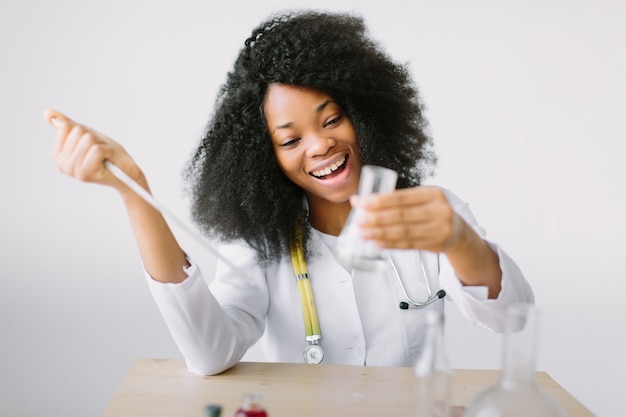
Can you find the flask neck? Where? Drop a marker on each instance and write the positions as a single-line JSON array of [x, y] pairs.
[[251, 401], [433, 357], [520, 346], [433, 371]]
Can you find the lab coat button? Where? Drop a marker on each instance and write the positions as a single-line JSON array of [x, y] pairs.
[[358, 349]]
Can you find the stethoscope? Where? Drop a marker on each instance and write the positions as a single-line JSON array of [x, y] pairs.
[[408, 301], [313, 353]]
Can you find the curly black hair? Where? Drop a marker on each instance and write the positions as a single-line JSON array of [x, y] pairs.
[[237, 189]]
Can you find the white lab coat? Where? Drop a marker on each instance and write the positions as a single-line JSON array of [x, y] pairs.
[[360, 320]]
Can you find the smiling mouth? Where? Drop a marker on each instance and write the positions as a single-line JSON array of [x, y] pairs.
[[332, 170]]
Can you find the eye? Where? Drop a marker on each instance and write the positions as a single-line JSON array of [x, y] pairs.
[[290, 142], [333, 121]]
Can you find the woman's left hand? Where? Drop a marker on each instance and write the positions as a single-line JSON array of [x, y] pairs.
[[412, 218], [422, 218]]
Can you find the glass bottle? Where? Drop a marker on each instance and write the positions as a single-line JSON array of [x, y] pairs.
[[516, 393], [433, 370], [251, 406], [212, 410]]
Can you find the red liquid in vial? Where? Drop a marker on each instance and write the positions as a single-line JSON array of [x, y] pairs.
[[251, 407], [251, 413]]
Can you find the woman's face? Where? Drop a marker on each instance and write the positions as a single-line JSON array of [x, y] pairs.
[[314, 142]]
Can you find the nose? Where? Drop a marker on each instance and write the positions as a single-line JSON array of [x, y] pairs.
[[319, 144]]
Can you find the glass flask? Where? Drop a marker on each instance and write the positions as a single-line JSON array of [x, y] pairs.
[[516, 393], [251, 406], [352, 251], [433, 370]]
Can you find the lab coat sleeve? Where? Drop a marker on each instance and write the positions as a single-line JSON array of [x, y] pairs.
[[473, 301], [213, 326]]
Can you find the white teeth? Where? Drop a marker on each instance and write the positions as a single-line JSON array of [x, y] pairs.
[[328, 170]]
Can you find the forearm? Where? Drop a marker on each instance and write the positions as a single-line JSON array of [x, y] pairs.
[[205, 335], [81, 152], [213, 328], [474, 262], [162, 256]]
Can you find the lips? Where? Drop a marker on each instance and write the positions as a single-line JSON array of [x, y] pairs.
[[331, 170]]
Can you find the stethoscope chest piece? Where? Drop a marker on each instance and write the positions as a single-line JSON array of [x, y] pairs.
[[313, 354]]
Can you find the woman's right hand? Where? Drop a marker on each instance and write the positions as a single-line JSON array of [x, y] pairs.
[[80, 151]]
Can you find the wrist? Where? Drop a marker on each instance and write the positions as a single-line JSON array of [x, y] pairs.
[[461, 237], [128, 194]]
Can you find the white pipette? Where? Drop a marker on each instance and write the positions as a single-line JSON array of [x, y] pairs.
[[148, 198]]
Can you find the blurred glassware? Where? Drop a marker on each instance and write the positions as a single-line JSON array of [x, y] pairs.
[[352, 250], [517, 393], [433, 370]]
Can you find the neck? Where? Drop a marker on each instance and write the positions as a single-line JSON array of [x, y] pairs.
[[328, 217]]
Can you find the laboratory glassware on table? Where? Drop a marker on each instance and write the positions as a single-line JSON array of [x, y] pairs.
[[433, 371], [517, 393], [251, 406]]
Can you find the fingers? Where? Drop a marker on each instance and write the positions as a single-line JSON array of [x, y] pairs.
[[85, 160], [401, 198], [68, 137], [83, 155], [54, 118], [78, 150], [407, 206], [428, 236], [416, 218], [68, 132], [62, 124]]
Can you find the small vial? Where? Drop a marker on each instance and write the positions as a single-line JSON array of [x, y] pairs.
[[251, 406], [212, 410]]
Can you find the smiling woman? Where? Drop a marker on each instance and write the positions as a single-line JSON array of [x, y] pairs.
[[332, 54], [310, 100], [316, 149]]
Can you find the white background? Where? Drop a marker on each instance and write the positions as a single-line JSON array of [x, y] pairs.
[[526, 102]]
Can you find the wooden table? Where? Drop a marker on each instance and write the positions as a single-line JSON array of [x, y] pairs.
[[164, 388]]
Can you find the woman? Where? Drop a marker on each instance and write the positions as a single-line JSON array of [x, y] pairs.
[[310, 100]]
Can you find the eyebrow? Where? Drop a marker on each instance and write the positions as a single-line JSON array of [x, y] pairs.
[[317, 110]]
